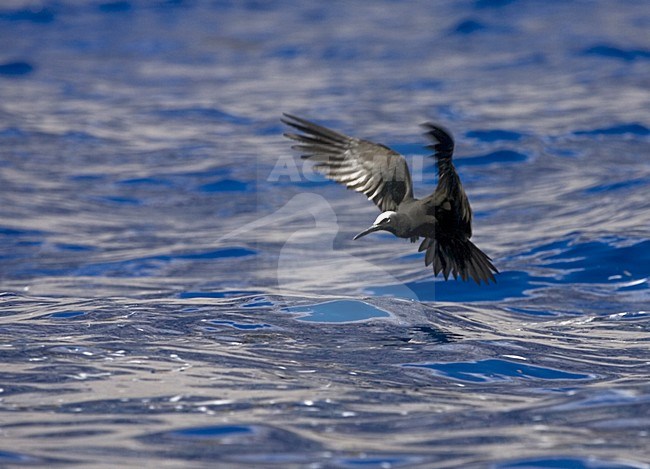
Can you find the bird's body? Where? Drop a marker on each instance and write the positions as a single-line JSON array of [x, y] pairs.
[[443, 218]]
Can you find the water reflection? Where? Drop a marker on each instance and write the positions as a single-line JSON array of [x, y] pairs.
[[164, 299]]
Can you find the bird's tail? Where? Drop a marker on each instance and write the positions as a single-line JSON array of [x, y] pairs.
[[458, 257]]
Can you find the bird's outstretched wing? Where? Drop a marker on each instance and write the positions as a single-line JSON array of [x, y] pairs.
[[373, 169], [452, 208], [449, 249]]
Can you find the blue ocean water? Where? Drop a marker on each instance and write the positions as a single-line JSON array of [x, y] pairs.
[[178, 288]]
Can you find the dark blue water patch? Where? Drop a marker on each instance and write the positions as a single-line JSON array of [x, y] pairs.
[[619, 53], [493, 3], [537, 58], [172, 3], [566, 462], [272, 130], [261, 304], [632, 128], [114, 7], [468, 27], [530, 311], [496, 370], [118, 200], [33, 15], [225, 185], [143, 267], [69, 434], [66, 314], [217, 432], [316, 15], [410, 149], [511, 284], [260, 5], [338, 311], [16, 69], [74, 247], [216, 443], [598, 261], [287, 52], [146, 181], [202, 113], [616, 186], [499, 156], [217, 294], [13, 132], [419, 84], [494, 135], [551, 246], [564, 152], [11, 457], [305, 183], [78, 136], [217, 254], [241, 326], [19, 233], [146, 266], [87, 177], [341, 52], [258, 302]]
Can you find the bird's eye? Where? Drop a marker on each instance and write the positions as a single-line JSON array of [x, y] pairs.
[[385, 220]]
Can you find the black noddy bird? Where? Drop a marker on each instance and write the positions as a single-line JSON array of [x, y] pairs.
[[443, 218]]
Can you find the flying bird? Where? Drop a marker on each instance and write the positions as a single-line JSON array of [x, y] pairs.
[[443, 218]]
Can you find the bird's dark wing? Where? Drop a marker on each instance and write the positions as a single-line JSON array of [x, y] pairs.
[[448, 248], [374, 169], [449, 199]]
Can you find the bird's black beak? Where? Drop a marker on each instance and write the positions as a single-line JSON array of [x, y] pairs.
[[372, 229]]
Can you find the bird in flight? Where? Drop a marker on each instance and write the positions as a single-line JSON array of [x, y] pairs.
[[443, 218]]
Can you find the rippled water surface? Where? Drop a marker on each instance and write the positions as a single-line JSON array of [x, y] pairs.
[[178, 290]]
